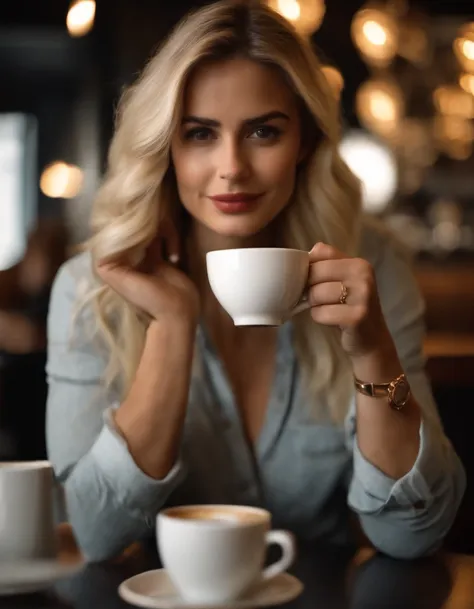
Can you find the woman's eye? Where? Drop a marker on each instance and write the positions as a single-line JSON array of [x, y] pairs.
[[266, 132], [200, 134]]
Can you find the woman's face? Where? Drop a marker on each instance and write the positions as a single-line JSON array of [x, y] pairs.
[[236, 150]]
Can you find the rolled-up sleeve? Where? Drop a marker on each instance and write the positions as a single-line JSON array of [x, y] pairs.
[[408, 517], [110, 502]]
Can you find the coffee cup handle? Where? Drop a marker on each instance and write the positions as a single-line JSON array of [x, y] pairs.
[[288, 547], [301, 306]]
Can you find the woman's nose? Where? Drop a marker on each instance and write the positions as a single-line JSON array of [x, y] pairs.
[[232, 164]]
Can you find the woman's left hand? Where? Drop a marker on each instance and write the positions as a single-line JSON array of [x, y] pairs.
[[359, 316]]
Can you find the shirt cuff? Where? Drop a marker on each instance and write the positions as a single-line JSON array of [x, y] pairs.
[[131, 485], [371, 490]]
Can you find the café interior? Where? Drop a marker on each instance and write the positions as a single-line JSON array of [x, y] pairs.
[[403, 71]]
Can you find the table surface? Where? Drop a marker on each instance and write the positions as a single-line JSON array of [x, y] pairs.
[[333, 579]]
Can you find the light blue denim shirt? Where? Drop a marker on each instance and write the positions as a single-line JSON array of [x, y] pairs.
[[305, 472]]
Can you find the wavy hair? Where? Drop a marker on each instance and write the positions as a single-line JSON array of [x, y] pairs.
[[139, 189]]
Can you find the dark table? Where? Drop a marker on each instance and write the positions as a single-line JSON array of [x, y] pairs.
[[334, 579]]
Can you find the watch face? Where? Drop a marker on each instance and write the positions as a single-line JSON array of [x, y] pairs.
[[400, 393]]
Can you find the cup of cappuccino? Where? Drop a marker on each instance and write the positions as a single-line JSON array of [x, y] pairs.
[[27, 529], [215, 553], [259, 286]]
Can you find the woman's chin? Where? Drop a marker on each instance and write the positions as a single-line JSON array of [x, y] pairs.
[[238, 232], [238, 227]]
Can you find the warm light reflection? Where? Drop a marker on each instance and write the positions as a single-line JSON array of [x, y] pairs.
[[468, 49], [80, 17], [375, 34], [60, 180], [305, 15], [464, 47], [454, 136], [454, 101], [335, 79], [380, 106], [466, 81], [290, 9], [374, 165]]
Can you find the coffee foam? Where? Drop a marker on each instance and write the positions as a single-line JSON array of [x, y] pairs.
[[224, 515]]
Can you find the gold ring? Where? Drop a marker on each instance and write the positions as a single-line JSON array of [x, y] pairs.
[[344, 294]]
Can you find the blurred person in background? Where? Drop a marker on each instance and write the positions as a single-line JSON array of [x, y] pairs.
[[24, 306], [230, 139]]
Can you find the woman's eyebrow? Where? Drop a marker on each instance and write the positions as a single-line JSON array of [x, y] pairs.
[[257, 120]]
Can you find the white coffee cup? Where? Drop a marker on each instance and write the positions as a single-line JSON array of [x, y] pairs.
[[259, 286], [215, 553], [27, 529]]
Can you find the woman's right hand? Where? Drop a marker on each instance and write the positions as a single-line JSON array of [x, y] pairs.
[[155, 286]]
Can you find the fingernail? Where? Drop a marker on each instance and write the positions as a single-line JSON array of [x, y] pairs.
[[174, 258]]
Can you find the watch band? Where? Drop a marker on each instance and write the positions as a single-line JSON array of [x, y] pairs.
[[397, 391], [373, 390]]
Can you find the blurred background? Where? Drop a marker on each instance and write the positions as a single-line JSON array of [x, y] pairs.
[[404, 72]]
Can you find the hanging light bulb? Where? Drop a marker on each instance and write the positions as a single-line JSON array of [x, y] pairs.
[[305, 15], [80, 18], [380, 106], [464, 47], [375, 166], [375, 34], [60, 180], [289, 9]]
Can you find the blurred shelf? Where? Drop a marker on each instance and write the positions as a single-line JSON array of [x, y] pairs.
[[447, 344], [450, 359]]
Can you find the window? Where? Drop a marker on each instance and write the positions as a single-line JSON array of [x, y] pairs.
[[18, 185]]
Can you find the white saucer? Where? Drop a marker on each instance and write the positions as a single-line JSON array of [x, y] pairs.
[[155, 590], [25, 577]]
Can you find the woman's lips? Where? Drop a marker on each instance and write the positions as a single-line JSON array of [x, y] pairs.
[[234, 203]]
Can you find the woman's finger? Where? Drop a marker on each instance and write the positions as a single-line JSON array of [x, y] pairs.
[[340, 315], [118, 277], [322, 251], [348, 270], [331, 293], [329, 271]]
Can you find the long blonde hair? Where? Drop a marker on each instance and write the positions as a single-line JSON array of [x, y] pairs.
[[139, 189]]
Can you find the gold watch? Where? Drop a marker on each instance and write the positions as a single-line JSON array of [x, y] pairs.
[[397, 391]]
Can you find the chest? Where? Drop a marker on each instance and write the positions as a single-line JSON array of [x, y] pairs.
[[251, 375]]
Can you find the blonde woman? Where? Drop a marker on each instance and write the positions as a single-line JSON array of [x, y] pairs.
[[229, 139]]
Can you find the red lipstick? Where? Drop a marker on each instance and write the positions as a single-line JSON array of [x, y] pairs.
[[236, 202]]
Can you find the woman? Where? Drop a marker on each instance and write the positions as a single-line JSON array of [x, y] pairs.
[[229, 139]]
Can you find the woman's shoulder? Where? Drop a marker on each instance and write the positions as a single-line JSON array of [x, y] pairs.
[[75, 278], [73, 349], [74, 283]]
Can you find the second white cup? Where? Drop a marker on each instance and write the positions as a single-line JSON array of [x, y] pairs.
[[215, 553], [27, 529]]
